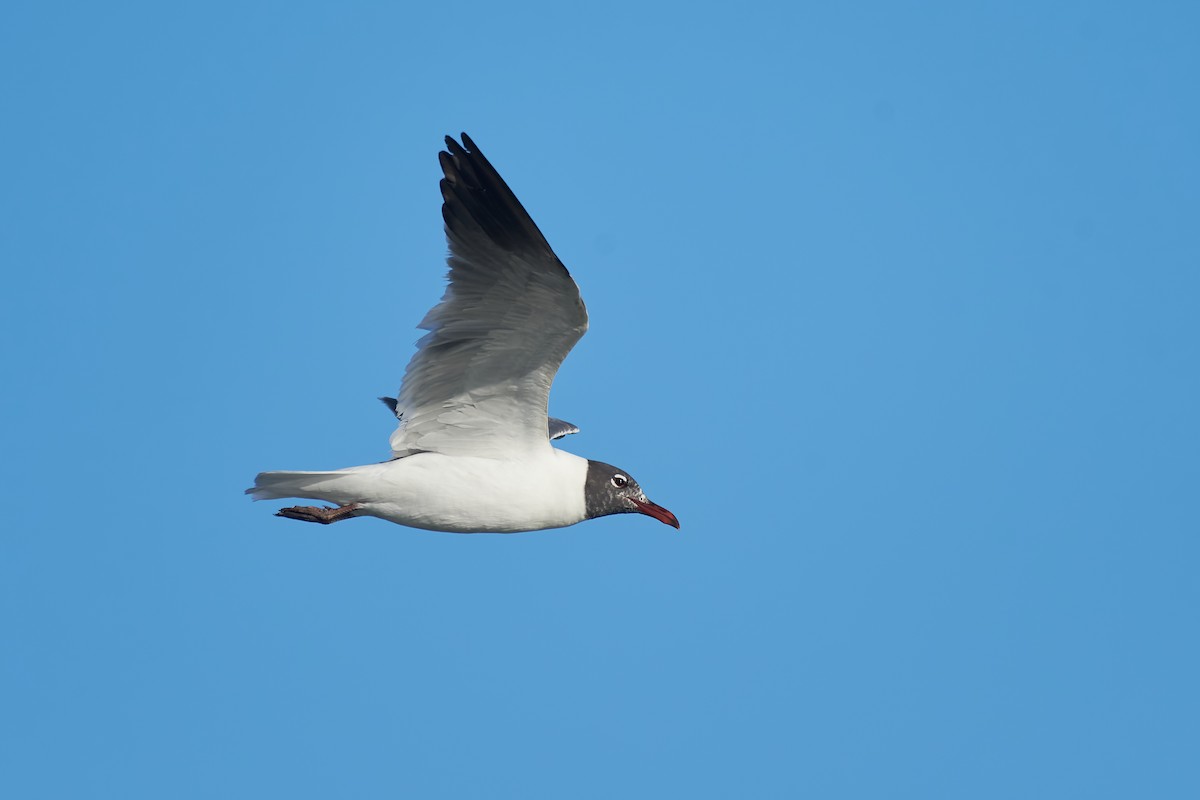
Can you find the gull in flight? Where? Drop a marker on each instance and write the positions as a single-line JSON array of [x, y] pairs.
[[472, 452]]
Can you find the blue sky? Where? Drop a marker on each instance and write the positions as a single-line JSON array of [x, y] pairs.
[[894, 306]]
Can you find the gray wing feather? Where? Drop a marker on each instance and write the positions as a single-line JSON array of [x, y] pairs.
[[556, 428], [479, 383], [559, 428]]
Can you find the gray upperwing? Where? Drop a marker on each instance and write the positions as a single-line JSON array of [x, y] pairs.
[[560, 428], [557, 428]]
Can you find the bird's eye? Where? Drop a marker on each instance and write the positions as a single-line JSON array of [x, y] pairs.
[[619, 480]]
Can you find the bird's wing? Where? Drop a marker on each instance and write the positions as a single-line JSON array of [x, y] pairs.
[[479, 383], [556, 428], [560, 428]]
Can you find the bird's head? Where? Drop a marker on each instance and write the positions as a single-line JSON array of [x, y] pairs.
[[609, 490]]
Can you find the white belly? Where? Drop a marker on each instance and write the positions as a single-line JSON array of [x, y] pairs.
[[475, 495]]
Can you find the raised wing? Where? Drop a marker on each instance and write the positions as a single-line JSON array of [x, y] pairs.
[[479, 383]]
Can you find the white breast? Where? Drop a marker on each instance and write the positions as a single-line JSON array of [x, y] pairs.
[[464, 494]]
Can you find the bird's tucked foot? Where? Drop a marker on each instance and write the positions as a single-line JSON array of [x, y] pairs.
[[324, 515]]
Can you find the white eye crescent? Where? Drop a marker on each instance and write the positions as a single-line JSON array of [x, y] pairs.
[[619, 480]]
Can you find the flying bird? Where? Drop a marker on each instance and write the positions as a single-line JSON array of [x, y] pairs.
[[472, 450]]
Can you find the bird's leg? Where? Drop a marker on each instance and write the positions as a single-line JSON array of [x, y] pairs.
[[324, 515]]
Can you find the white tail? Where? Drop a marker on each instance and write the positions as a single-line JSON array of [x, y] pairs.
[[329, 486]]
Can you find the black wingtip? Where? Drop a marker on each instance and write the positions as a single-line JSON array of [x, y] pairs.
[[476, 200], [391, 403], [467, 148]]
